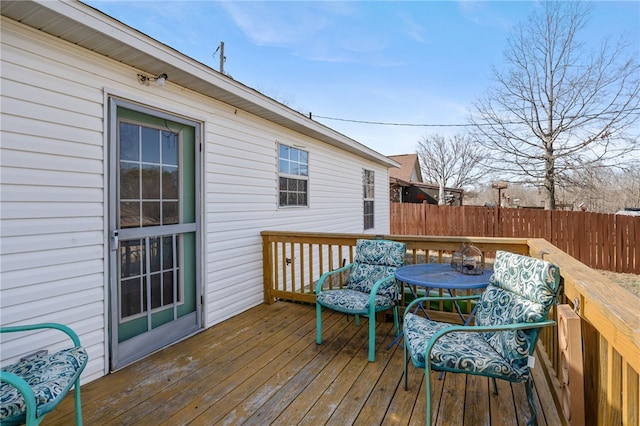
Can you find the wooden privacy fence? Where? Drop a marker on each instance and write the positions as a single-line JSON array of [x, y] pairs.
[[600, 241]]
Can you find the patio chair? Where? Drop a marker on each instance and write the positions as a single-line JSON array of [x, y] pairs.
[[33, 387], [371, 286], [500, 344]]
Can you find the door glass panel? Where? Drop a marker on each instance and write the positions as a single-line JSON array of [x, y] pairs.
[[150, 182], [131, 297], [155, 254], [150, 213], [161, 252], [150, 145], [131, 258], [169, 148], [167, 253], [129, 215], [129, 142], [167, 286], [169, 182], [149, 177], [170, 213], [129, 181], [149, 195], [156, 290]]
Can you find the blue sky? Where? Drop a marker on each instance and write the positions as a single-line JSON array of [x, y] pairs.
[[419, 62]]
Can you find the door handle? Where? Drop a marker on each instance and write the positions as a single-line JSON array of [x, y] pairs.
[[114, 240]]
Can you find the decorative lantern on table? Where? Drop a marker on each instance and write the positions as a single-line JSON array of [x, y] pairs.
[[471, 260], [456, 260]]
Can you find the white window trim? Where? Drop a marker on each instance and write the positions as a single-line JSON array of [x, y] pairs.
[[291, 176], [365, 184]]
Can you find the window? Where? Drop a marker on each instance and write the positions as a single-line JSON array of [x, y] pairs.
[[293, 173], [368, 190]]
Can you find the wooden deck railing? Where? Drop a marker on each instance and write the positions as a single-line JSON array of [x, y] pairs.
[[294, 261]]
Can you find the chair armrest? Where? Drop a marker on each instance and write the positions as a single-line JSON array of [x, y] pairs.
[[47, 325], [374, 289], [327, 274], [377, 284], [439, 299], [22, 386], [480, 329]]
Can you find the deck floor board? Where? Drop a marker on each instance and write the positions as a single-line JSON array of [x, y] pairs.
[[263, 367]]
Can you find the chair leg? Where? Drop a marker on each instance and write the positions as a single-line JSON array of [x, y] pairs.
[[427, 385], [78, 403], [494, 386], [31, 419], [395, 320], [406, 360], [318, 323], [529, 386], [372, 337]]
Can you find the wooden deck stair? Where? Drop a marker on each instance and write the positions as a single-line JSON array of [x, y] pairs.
[[264, 367]]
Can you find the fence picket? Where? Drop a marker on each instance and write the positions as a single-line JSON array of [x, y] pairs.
[[599, 240]]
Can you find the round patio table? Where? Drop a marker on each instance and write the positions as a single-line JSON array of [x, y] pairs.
[[441, 276]]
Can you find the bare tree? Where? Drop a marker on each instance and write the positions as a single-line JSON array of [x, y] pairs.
[[603, 190], [557, 108], [630, 196], [450, 162]]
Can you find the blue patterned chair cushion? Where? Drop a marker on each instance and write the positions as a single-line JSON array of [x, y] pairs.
[[459, 351], [50, 377], [374, 260], [380, 252], [350, 301], [521, 289], [522, 275], [363, 276]]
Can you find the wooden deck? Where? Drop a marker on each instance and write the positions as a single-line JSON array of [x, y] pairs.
[[264, 367]]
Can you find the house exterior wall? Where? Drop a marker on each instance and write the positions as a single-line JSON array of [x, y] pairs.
[[54, 191], [414, 175]]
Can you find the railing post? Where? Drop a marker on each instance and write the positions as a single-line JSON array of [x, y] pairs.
[[267, 269], [571, 369]]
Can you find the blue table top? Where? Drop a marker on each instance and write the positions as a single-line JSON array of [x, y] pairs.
[[440, 275]]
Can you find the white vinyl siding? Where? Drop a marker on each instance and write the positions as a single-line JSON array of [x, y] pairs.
[[52, 185], [53, 223]]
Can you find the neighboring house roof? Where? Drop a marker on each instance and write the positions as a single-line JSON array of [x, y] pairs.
[[409, 173], [409, 170], [629, 212], [407, 186], [87, 27]]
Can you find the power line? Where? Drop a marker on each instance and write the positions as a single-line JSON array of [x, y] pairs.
[[383, 123]]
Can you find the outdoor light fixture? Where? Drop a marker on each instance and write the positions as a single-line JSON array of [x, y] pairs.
[[160, 79]]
